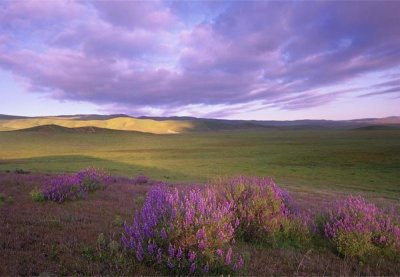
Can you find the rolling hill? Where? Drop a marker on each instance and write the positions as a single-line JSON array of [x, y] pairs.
[[175, 125], [116, 123]]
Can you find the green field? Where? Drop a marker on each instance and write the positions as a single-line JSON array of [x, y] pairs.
[[365, 162]]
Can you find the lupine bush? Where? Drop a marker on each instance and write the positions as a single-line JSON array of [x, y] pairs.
[[359, 229], [74, 186], [193, 230], [265, 211], [190, 231]]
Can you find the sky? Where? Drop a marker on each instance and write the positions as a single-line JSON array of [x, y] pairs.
[[272, 60]]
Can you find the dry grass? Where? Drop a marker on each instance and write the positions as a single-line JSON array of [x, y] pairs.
[[120, 123], [58, 238]]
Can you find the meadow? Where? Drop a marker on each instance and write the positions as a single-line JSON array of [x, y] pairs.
[[64, 225], [362, 161]]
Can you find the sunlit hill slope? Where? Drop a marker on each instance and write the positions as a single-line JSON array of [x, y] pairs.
[[118, 123]]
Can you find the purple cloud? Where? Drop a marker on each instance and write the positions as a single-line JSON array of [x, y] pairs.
[[149, 15], [168, 56]]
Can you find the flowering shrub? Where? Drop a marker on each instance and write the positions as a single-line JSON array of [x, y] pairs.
[[74, 186], [359, 229], [264, 211], [186, 232]]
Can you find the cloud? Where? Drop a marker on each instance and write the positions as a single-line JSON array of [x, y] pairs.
[[31, 13], [154, 56], [149, 15]]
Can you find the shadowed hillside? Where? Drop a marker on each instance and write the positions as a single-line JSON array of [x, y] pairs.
[[60, 129]]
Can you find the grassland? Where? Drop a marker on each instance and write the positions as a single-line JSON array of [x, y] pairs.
[[331, 160], [317, 166]]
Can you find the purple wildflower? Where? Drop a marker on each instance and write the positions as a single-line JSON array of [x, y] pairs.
[[171, 251], [159, 255], [170, 264], [192, 268], [192, 256], [228, 257], [163, 234], [206, 268]]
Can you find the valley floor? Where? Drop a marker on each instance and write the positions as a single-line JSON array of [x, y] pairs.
[[311, 161]]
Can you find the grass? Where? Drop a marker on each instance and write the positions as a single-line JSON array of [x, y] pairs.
[[366, 162], [84, 238], [120, 123]]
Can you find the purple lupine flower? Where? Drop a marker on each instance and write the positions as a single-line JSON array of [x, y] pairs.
[[220, 252], [197, 212], [151, 247], [163, 234], [139, 252], [179, 253], [159, 255], [361, 219], [171, 251], [170, 264], [238, 264], [192, 268], [201, 234], [192, 256], [73, 186], [206, 268], [228, 257]]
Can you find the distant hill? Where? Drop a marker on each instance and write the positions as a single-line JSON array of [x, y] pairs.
[[174, 125], [379, 127], [379, 121], [52, 128], [7, 117], [116, 123]]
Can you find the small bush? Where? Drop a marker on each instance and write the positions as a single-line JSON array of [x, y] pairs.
[[21, 171], [37, 195], [359, 229], [101, 240], [184, 232], [75, 186], [118, 222], [264, 212]]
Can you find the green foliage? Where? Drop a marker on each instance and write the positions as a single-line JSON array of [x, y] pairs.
[[2, 199], [355, 245], [264, 212], [101, 240], [292, 233], [10, 199], [118, 222], [37, 195], [6, 199], [91, 185], [54, 253], [113, 246], [88, 253]]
